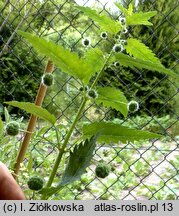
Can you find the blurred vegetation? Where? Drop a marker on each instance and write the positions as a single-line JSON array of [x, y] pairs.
[[20, 67], [59, 20]]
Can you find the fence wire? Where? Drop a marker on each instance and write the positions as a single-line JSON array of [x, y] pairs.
[[143, 170]]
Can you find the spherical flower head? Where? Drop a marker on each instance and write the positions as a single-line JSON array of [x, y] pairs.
[[86, 42], [117, 37], [104, 35], [118, 48], [116, 64], [133, 106], [12, 128], [81, 89], [35, 183], [123, 42], [122, 20], [92, 93], [102, 170], [124, 31], [47, 79]]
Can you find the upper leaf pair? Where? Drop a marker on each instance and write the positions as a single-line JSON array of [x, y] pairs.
[[112, 26], [134, 47], [68, 62], [137, 18], [86, 67]]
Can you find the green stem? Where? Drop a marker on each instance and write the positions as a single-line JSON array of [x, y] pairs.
[[57, 136], [59, 157], [101, 71]]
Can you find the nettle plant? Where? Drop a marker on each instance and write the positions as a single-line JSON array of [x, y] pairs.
[[125, 52]]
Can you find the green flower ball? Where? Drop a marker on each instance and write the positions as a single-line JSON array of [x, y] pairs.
[[12, 128], [47, 79], [102, 170], [35, 183], [86, 42], [133, 106], [118, 48], [104, 35], [122, 20], [92, 93]]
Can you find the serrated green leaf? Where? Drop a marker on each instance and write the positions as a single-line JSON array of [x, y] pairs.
[[112, 97], [131, 62], [34, 110], [67, 61], [130, 9], [79, 160], [91, 56], [122, 9], [139, 50], [105, 22], [140, 18], [111, 132]]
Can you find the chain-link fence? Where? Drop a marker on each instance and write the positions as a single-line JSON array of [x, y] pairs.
[[142, 170]]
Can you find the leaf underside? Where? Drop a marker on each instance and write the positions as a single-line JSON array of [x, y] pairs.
[[34, 110], [131, 62], [139, 50], [79, 160], [105, 22], [112, 132], [112, 97], [140, 18]]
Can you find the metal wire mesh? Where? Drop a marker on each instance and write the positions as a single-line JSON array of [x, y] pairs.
[[147, 170]]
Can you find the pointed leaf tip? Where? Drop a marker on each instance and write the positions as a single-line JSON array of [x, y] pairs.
[[112, 132]]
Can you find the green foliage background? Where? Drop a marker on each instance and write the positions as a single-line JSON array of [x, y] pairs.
[[21, 68]]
